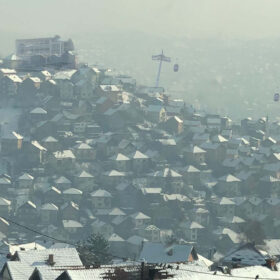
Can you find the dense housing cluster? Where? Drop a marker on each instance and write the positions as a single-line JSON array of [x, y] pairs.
[[84, 150]]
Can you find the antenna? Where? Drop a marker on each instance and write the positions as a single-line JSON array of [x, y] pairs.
[[161, 57]]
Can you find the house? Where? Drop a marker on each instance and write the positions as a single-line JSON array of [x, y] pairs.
[[140, 162], [126, 195], [228, 185], [25, 181], [168, 148], [134, 245], [44, 75], [156, 113], [191, 231], [11, 143], [27, 91], [5, 184], [62, 183], [85, 181], [223, 207], [6, 71], [52, 195], [195, 155], [72, 228], [111, 91], [51, 144], [37, 153], [9, 85], [84, 152], [202, 216], [38, 114], [72, 194], [121, 162], [4, 226], [62, 160], [117, 245], [103, 104], [169, 179], [58, 257], [100, 227], [70, 210], [5, 207], [191, 175], [158, 253], [49, 88], [174, 125], [152, 233], [101, 199], [64, 84], [245, 255], [140, 219], [27, 210], [49, 214]]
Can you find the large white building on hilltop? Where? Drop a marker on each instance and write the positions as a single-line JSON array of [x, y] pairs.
[[26, 48]]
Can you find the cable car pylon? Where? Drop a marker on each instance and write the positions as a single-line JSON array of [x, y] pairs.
[[161, 57]]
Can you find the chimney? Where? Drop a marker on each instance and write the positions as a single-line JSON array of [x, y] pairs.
[[50, 260], [271, 263], [170, 252]]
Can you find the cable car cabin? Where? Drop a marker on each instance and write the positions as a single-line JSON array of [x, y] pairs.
[[276, 97], [176, 67]]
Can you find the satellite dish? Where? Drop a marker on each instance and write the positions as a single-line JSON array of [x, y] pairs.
[[276, 97], [176, 67]]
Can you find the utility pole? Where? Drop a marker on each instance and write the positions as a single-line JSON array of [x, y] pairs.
[[161, 57]]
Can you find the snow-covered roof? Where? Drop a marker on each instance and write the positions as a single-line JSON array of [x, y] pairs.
[[38, 110], [84, 174], [120, 157], [73, 191], [64, 154], [50, 139], [167, 172], [229, 178], [114, 173], [62, 257], [26, 176], [101, 193], [158, 253], [139, 155], [49, 206], [71, 224], [140, 216]]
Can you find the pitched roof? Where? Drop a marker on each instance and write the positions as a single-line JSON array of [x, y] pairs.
[[139, 155], [4, 202], [100, 193], [140, 216], [166, 173], [115, 238], [62, 180], [114, 173], [229, 178], [62, 257], [49, 206], [85, 174], [38, 110], [73, 191], [64, 154], [50, 139], [26, 176], [157, 253], [71, 224], [84, 146], [191, 169], [120, 157]]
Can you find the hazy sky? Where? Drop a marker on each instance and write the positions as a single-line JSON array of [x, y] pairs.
[[195, 18]]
